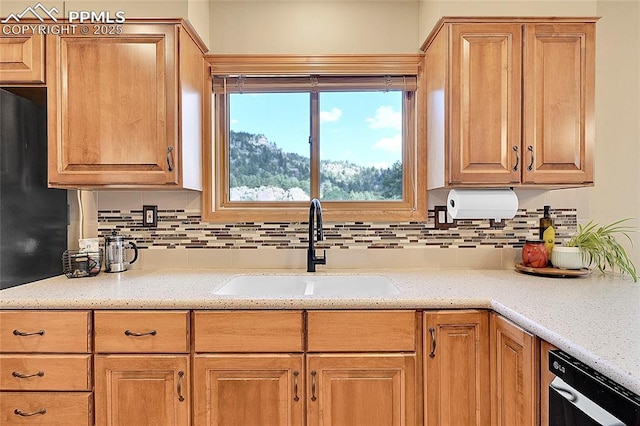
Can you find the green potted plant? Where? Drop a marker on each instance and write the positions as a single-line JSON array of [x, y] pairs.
[[596, 245]]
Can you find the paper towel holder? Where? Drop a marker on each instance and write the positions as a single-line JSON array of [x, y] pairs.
[[472, 203]]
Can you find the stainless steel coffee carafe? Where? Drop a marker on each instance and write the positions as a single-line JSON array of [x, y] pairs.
[[114, 250]]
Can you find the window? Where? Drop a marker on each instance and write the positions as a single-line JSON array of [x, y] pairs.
[[280, 139]]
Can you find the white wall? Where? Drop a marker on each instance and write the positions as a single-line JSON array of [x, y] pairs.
[[616, 194], [314, 27]]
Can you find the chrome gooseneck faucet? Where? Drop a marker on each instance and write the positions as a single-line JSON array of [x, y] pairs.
[[315, 217]]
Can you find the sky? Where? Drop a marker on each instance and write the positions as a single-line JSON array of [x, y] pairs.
[[362, 127]]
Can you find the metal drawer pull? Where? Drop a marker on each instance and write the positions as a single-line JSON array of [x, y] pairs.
[[134, 334], [515, 149], [22, 333], [530, 149], [295, 386], [19, 412], [170, 158], [180, 376], [313, 385], [432, 331], [26, 376]]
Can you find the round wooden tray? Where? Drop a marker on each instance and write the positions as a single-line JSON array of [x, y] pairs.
[[552, 272]]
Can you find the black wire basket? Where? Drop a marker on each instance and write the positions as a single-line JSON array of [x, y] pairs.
[[78, 264]]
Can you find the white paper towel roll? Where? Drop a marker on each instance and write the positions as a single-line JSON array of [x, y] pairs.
[[495, 204]]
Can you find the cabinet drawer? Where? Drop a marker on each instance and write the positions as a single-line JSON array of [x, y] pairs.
[[22, 58], [141, 331], [356, 331], [248, 331], [45, 372], [45, 331], [52, 408]]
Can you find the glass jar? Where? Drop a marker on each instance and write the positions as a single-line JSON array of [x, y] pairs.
[[535, 254]]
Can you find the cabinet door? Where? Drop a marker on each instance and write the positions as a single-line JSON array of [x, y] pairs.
[[112, 107], [361, 389], [142, 390], [546, 377], [513, 374], [559, 85], [485, 95], [252, 389], [22, 58], [456, 362]]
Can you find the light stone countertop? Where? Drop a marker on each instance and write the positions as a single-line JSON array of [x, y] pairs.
[[595, 318]]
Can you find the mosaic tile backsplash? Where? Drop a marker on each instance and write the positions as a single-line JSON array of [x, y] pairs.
[[184, 229]]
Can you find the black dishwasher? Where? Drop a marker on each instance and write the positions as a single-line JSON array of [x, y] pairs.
[[580, 396]]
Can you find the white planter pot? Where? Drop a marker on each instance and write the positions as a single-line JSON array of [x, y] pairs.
[[568, 258]]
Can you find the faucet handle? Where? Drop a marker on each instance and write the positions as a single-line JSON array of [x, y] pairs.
[[322, 260]]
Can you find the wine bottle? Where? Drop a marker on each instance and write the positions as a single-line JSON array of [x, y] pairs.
[[547, 232]]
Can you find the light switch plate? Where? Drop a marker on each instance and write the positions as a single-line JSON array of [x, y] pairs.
[[150, 216]]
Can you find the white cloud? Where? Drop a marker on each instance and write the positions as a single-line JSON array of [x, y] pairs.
[[392, 144], [381, 165], [234, 121], [386, 118], [330, 116]]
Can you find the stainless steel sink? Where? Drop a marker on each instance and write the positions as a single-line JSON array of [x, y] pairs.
[[262, 286]]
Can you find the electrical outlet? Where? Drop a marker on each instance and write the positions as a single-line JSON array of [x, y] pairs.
[[442, 218], [150, 216]]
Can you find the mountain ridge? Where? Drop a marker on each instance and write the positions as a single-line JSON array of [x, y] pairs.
[[258, 166]]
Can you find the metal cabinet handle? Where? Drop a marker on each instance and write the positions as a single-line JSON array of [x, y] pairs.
[[134, 334], [296, 398], [517, 151], [180, 376], [26, 376], [432, 331], [170, 158], [19, 412], [530, 149], [23, 333], [313, 385]]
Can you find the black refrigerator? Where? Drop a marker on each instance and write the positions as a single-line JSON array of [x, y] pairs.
[[33, 217]]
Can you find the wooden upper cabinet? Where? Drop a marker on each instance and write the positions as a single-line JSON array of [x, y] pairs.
[[510, 101], [559, 76], [126, 110], [485, 102], [22, 59]]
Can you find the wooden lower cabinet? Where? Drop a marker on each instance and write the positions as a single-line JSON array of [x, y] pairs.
[[361, 389], [514, 374], [142, 390], [309, 368], [456, 363], [248, 389], [45, 368]]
